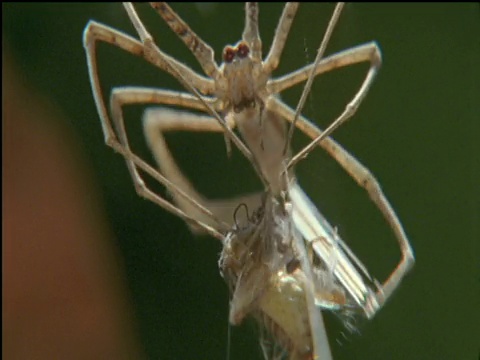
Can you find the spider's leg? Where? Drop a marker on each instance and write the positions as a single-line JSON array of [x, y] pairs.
[[308, 85], [364, 178], [200, 49], [250, 33], [281, 33], [157, 121]]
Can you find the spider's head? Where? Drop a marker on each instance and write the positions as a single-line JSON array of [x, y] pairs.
[[238, 71]]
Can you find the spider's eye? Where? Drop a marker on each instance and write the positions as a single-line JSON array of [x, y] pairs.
[[228, 54], [243, 50]]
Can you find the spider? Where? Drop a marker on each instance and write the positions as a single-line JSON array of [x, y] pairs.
[[241, 93]]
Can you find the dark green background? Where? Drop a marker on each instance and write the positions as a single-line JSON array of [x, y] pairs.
[[418, 132]]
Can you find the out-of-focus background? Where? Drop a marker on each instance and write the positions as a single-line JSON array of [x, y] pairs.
[[126, 269]]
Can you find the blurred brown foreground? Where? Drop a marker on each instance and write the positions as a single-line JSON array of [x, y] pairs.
[[63, 288]]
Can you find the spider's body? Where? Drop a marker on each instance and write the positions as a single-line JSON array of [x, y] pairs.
[[266, 266]]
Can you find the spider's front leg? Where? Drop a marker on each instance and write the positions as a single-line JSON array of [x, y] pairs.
[[93, 33], [364, 178]]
